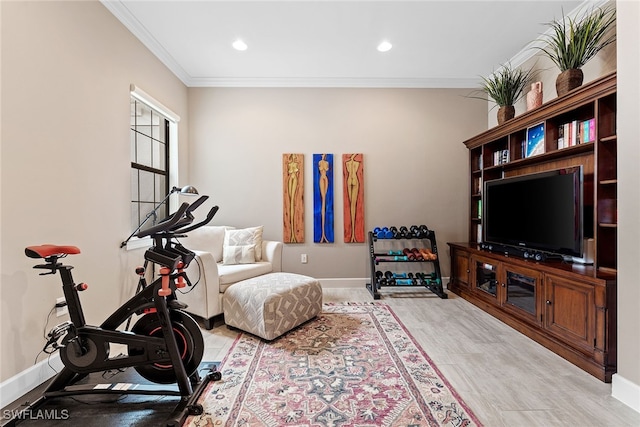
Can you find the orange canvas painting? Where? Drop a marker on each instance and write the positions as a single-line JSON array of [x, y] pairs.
[[353, 194], [293, 201]]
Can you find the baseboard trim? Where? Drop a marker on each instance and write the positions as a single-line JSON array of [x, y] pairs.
[[343, 282], [25, 381], [354, 282], [625, 391]]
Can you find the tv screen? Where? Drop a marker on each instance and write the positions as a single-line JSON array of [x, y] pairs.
[[541, 211]]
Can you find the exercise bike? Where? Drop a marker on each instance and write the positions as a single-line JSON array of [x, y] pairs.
[[165, 345]]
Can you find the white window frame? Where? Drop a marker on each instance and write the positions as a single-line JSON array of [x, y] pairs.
[[173, 118]]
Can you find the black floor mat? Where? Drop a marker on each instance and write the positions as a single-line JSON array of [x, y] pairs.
[[99, 410]]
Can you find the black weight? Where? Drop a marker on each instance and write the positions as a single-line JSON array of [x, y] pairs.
[[188, 337]]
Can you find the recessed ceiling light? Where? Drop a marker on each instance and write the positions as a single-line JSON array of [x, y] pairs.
[[239, 45], [384, 46]]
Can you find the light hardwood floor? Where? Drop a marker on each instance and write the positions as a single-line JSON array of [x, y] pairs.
[[504, 377]]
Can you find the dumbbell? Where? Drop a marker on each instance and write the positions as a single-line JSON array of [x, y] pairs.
[[380, 278], [409, 254], [427, 254], [428, 278], [390, 279], [394, 232], [399, 275], [404, 282], [392, 252], [415, 231], [381, 232], [404, 232], [416, 253], [424, 230]]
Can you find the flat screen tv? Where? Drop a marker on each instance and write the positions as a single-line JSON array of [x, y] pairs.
[[541, 211]]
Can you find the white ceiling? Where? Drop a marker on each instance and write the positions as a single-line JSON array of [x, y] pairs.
[[333, 43]]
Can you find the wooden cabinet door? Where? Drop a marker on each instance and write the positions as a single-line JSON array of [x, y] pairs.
[[460, 268], [570, 311], [485, 278], [523, 292]]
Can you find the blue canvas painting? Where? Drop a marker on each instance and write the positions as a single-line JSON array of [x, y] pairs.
[[323, 198], [535, 140]]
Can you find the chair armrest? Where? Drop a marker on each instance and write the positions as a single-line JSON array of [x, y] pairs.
[[203, 299], [272, 252], [205, 269]]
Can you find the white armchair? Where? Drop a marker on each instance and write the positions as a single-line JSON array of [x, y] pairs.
[[217, 266]]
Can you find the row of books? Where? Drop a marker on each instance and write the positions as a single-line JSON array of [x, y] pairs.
[[500, 157], [576, 132]]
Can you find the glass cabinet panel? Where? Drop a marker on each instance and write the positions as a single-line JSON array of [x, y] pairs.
[[486, 277], [521, 291]]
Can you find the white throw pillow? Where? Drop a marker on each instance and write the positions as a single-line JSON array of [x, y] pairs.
[[251, 236], [239, 255]]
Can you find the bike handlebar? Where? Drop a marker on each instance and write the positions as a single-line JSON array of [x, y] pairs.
[[207, 220], [166, 225], [171, 254], [193, 206], [183, 222]]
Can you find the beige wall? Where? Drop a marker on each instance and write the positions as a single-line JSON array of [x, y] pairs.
[[415, 165], [66, 71]]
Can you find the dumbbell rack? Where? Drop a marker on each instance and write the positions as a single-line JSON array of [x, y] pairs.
[[388, 251]]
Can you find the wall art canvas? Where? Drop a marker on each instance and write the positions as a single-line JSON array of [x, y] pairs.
[[353, 195], [293, 201], [323, 231], [535, 140]]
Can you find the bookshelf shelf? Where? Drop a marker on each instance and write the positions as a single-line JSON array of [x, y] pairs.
[[593, 103]]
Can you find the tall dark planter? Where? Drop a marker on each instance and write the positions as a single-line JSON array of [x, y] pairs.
[[505, 113], [569, 80]]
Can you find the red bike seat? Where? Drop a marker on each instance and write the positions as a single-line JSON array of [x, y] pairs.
[[45, 251]]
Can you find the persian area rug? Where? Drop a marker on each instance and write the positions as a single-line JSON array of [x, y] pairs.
[[353, 365]]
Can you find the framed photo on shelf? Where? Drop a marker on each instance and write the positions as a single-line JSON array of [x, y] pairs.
[[535, 140]]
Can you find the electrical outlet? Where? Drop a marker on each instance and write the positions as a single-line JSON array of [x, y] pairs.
[[303, 258], [61, 311]]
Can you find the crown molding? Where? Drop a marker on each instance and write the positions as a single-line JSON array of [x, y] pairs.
[[331, 82], [120, 11]]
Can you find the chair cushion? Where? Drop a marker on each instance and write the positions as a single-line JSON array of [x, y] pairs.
[[239, 255], [230, 274]]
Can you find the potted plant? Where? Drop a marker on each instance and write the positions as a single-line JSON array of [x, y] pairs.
[[573, 41], [505, 87]]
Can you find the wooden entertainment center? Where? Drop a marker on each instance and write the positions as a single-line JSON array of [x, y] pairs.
[[570, 308]]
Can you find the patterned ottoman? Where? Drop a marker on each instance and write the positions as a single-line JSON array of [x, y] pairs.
[[272, 304]]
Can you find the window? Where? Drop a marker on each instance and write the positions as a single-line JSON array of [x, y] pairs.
[[153, 141], [149, 163]]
